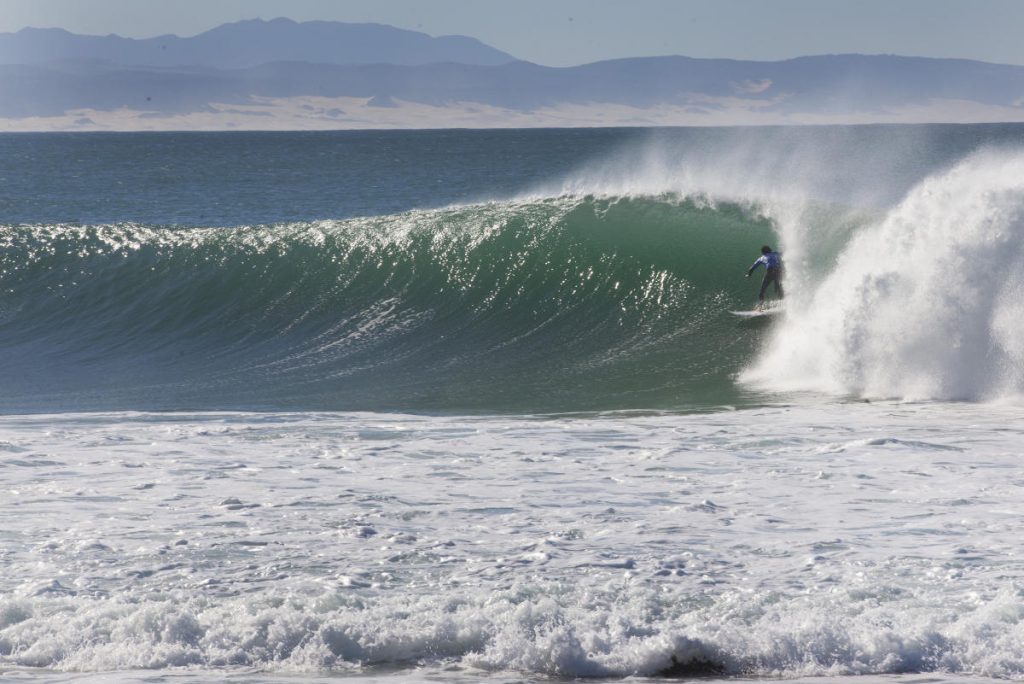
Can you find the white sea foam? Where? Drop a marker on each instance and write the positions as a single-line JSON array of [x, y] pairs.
[[925, 304], [858, 539]]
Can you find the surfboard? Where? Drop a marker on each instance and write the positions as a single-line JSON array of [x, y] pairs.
[[755, 313]]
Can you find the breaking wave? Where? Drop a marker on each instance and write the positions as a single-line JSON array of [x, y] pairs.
[[925, 303]]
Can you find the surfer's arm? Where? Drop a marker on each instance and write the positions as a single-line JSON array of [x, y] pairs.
[[753, 268]]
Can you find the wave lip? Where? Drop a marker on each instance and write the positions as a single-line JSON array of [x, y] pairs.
[[925, 304]]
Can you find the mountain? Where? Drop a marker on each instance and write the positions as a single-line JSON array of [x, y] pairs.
[[280, 75], [250, 43]]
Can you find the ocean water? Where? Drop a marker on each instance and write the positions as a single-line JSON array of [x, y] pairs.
[[460, 406]]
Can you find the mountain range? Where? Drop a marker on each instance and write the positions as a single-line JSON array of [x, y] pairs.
[[250, 43], [285, 75]]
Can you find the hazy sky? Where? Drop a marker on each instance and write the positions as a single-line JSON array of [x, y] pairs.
[[564, 32]]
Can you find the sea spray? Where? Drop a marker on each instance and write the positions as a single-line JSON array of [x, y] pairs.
[[925, 303]]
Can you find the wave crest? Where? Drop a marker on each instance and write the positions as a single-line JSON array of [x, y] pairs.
[[569, 303]]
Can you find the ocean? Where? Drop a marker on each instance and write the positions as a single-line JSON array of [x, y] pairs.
[[463, 406]]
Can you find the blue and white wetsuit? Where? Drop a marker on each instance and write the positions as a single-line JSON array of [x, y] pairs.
[[772, 273]]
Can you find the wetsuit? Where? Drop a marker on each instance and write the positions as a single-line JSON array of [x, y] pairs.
[[772, 273]]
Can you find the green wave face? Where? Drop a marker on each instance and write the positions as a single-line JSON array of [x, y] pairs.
[[553, 305]]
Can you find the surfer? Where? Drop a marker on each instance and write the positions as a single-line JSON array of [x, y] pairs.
[[773, 273]]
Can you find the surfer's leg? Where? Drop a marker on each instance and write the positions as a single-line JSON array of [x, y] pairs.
[[772, 276], [764, 286]]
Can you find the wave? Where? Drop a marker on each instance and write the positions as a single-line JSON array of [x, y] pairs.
[[575, 302], [558, 304], [544, 630]]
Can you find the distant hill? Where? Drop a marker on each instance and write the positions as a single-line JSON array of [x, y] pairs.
[[329, 75], [250, 43]]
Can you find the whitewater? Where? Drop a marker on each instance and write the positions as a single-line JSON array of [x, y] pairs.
[[469, 406]]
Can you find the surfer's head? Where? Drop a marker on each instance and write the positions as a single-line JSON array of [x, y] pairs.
[[765, 249]]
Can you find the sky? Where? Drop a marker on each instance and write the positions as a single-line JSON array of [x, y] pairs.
[[568, 32]]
